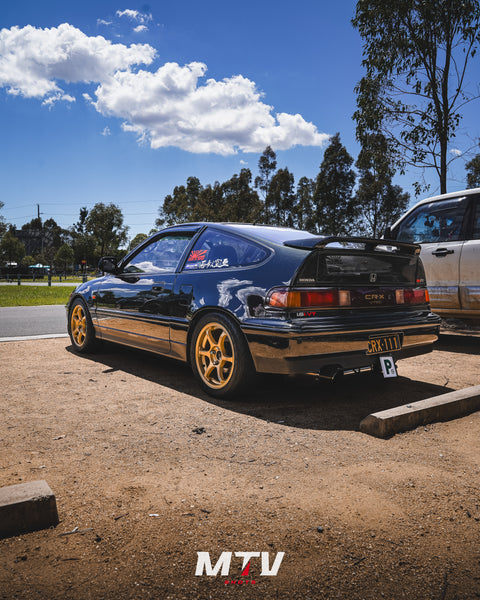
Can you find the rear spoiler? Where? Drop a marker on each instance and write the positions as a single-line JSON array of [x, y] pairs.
[[320, 242]]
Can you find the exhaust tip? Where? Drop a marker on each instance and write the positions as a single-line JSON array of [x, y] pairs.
[[331, 373]]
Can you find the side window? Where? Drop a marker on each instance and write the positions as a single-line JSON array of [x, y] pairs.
[[217, 250], [434, 222], [476, 221], [162, 254]]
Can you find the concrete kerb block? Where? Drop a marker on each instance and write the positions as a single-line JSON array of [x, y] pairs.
[[26, 507], [448, 406]]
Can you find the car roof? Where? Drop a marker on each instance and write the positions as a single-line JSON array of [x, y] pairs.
[[448, 196], [267, 233]]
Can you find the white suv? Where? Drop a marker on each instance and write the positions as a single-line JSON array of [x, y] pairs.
[[448, 229]]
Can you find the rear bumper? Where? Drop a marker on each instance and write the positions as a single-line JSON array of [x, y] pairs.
[[296, 350]]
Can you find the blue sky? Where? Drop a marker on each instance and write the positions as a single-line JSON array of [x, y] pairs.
[[119, 102]]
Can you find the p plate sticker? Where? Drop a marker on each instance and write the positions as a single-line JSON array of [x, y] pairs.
[[388, 366]]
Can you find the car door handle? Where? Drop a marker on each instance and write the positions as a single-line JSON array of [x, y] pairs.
[[442, 252]]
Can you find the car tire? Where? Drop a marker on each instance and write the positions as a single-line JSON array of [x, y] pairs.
[[219, 356], [80, 327]]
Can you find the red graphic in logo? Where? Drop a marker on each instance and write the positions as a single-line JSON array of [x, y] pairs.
[[196, 255], [245, 571]]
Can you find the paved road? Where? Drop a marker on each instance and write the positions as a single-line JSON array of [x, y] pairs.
[[21, 321], [44, 283]]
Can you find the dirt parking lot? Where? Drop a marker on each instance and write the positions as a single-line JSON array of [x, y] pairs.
[[154, 470]]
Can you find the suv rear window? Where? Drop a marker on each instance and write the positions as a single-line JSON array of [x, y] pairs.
[[349, 268]]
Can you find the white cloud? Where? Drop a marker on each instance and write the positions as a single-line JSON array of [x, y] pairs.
[[134, 15], [140, 28], [172, 106], [50, 100], [106, 131], [103, 22], [169, 108], [456, 152], [33, 60]]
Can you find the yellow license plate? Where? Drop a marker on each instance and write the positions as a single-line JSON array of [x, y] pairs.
[[384, 343]]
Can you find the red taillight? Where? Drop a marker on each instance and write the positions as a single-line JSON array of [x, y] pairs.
[[296, 298], [419, 296], [412, 296]]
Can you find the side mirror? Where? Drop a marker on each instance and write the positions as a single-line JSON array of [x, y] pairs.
[[387, 234], [108, 264]]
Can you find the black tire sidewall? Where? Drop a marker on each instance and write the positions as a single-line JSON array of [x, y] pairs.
[[90, 340]]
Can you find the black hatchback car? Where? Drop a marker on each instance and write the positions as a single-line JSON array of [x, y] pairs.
[[234, 299]]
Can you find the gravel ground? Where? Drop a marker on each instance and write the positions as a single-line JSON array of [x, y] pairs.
[[154, 471]]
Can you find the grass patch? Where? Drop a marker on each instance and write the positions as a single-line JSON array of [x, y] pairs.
[[33, 295]]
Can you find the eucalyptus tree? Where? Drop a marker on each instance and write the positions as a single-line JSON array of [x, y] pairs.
[[473, 172], [105, 224], [267, 164], [282, 198], [240, 202], [11, 249], [380, 203], [336, 210], [304, 211], [179, 207], [417, 55]]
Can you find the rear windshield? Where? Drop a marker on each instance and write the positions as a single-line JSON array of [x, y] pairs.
[[349, 268]]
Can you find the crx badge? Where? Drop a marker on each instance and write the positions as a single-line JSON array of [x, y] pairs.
[[373, 277]]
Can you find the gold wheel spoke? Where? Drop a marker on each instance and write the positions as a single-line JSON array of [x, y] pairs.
[[210, 338], [220, 376], [209, 370], [221, 341]]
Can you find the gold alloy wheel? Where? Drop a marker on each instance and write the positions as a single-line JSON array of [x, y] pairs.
[[78, 324], [214, 355]]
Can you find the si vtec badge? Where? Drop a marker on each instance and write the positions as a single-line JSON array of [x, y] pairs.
[[224, 567]]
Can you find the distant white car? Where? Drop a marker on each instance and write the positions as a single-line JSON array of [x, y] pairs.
[[448, 229]]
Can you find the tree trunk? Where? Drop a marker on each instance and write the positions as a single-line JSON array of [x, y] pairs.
[[443, 165]]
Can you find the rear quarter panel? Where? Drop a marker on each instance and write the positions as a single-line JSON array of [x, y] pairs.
[[237, 289], [470, 277]]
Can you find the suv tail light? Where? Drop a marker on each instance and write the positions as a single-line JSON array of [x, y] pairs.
[[298, 298]]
